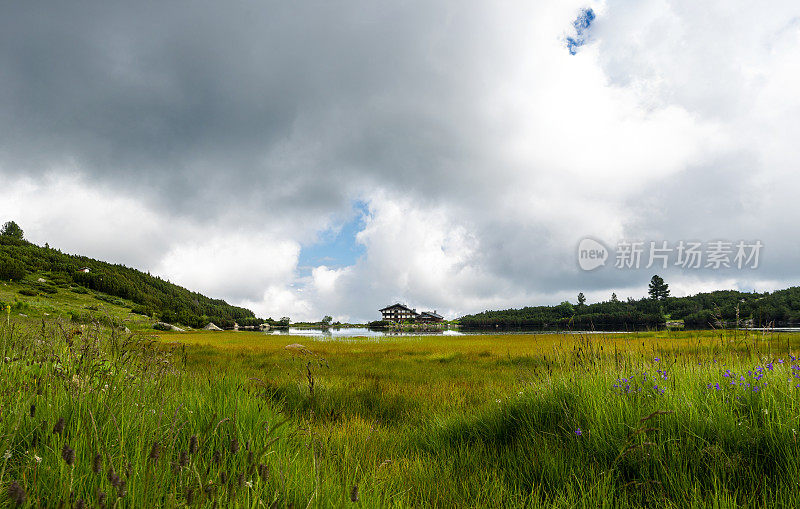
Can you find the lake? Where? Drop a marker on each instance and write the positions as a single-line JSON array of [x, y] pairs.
[[353, 332]]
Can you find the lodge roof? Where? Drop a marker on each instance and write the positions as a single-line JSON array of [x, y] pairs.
[[398, 305], [432, 314]]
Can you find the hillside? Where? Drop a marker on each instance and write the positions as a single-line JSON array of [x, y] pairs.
[[702, 310], [45, 275]]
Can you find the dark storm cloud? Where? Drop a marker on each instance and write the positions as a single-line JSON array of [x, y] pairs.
[[190, 99]]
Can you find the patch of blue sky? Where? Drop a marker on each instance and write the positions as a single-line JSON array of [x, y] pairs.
[[336, 247], [581, 25]]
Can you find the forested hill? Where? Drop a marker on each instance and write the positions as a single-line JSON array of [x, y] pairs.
[[701, 310], [25, 262]]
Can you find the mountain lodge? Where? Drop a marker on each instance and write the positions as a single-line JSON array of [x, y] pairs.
[[400, 313]]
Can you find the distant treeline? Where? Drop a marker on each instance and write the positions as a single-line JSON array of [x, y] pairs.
[[701, 310], [152, 295]]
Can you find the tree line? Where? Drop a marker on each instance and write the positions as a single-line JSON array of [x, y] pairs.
[[151, 295], [701, 310]]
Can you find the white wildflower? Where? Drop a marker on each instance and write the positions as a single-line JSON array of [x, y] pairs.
[[249, 484], [7, 455], [37, 459]]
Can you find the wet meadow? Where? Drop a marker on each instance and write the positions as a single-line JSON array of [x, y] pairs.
[[92, 417]]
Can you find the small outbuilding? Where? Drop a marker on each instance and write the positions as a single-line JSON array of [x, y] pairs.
[[430, 317], [211, 326]]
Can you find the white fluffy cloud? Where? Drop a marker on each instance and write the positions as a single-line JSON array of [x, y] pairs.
[[237, 265]]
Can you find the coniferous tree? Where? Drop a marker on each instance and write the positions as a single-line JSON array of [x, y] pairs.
[[658, 289], [13, 230]]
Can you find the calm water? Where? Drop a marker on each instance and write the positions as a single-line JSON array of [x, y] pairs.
[[363, 332], [370, 333]]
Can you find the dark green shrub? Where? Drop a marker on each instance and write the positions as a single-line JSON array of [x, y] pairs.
[[142, 310], [704, 318], [110, 300], [46, 288], [380, 323], [11, 270], [28, 292]]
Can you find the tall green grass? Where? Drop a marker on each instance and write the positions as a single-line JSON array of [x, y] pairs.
[[502, 421]]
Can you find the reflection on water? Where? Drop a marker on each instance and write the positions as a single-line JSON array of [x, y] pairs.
[[771, 329], [363, 332], [355, 332]]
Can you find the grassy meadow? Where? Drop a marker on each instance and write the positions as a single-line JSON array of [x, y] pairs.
[[71, 304], [237, 419]]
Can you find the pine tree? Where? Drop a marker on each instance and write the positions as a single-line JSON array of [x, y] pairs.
[[658, 289], [12, 229]]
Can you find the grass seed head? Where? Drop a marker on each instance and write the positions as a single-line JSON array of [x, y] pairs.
[[97, 463], [354, 493], [184, 459], [234, 446], [59, 426], [155, 452], [16, 493], [113, 478], [33, 410], [68, 455], [193, 444], [216, 457], [101, 500], [189, 496]]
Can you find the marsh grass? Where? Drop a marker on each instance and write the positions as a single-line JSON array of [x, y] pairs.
[[99, 419], [235, 419]]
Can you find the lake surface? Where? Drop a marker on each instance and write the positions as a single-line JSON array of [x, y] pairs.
[[357, 332], [363, 332]]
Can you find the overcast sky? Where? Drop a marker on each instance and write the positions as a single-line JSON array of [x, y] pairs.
[[311, 158]]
